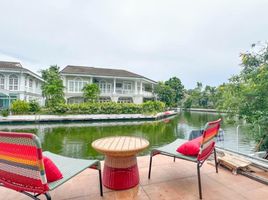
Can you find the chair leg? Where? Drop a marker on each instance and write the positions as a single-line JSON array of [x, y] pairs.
[[199, 181], [150, 165], [100, 178], [174, 159], [47, 196], [215, 158]]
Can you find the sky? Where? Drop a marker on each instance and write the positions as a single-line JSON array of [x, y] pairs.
[[197, 41]]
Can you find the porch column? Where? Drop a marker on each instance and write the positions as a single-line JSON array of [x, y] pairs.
[[136, 87], [9, 101], [114, 85], [141, 88]]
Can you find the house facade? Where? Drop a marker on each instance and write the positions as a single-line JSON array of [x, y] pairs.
[[115, 85], [20, 83]]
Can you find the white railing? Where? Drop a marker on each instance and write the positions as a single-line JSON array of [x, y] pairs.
[[126, 92], [121, 91], [147, 94]]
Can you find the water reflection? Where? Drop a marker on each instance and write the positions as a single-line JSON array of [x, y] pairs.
[[74, 139]]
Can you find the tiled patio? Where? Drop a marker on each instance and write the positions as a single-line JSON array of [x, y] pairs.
[[169, 181]]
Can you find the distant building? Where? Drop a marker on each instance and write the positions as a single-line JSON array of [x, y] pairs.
[[115, 85], [17, 82]]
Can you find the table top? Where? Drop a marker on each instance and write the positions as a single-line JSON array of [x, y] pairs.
[[120, 145]]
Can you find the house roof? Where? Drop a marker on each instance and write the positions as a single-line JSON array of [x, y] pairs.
[[10, 65], [16, 66], [71, 69]]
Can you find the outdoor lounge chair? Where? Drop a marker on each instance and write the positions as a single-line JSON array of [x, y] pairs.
[[206, 148], [22, 166]]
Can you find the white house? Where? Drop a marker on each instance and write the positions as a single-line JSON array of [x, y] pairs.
[[115, 84], [17, 82]]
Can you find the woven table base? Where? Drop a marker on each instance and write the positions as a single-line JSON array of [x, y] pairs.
[[120, 172]]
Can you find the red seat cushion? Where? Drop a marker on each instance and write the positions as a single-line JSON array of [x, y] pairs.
[[52, 171], [190, 148]]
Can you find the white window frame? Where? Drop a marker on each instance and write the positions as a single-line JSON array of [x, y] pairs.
[[2, 81], [102, 86], [13, 82], [30, 83], [78, 84], [127, 87]]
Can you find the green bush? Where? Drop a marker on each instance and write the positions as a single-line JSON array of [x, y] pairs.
[[153, 107], [60, 109], [110, 108], [131, 108], [20, 107], [5, 112], [34, 106]]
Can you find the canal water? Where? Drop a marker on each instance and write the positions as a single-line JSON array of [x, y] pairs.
[[74, 139]]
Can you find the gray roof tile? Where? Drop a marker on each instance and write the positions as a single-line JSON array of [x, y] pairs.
[[17, 67], [71, 69]]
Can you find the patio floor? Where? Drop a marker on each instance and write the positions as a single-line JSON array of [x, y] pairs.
[[169, 181]]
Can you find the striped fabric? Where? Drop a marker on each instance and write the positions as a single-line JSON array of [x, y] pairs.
[[208, 143], [21, 162]]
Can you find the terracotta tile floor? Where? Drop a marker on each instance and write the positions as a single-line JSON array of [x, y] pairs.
[[169, 181]]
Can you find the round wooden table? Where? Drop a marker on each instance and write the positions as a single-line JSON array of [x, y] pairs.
[[120, 166]]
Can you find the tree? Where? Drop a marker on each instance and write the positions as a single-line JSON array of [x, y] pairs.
[[176, 85], [246, 94], [91, 92], [165, 93], [53, 87]]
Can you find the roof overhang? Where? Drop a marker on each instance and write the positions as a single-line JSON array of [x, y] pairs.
[[116, 77]]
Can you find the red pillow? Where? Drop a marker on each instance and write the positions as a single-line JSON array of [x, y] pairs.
[[190, 148], [52, 171]]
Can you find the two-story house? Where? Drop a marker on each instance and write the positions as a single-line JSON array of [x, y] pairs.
[[115, 84], [17, 82]]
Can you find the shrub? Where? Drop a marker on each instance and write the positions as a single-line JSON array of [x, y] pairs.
[[153, 107], [60, 109], [109, 108], [131, 108], [5, 112], [20, 107], [34, 106]]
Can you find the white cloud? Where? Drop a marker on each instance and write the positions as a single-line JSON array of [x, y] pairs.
[[194, 40]]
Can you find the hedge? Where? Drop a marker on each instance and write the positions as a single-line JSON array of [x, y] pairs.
[[150, 107]]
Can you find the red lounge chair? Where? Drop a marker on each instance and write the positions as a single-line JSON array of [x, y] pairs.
[[206, 148], [22, 167]]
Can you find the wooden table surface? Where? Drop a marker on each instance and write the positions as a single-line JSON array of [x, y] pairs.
[[120, 145]]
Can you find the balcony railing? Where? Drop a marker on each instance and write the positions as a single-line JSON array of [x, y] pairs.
[[126, 92]]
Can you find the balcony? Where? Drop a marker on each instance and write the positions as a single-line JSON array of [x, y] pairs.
[[126, 93]]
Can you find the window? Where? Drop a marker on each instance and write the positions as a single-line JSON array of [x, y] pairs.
[[127, 86], [13, 82], [109, 87], [31, 83], [25, 83], [102, 86], [104, 99], [71, 86], [119, 85], [2, 81], [125, 100], [76, 85]]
